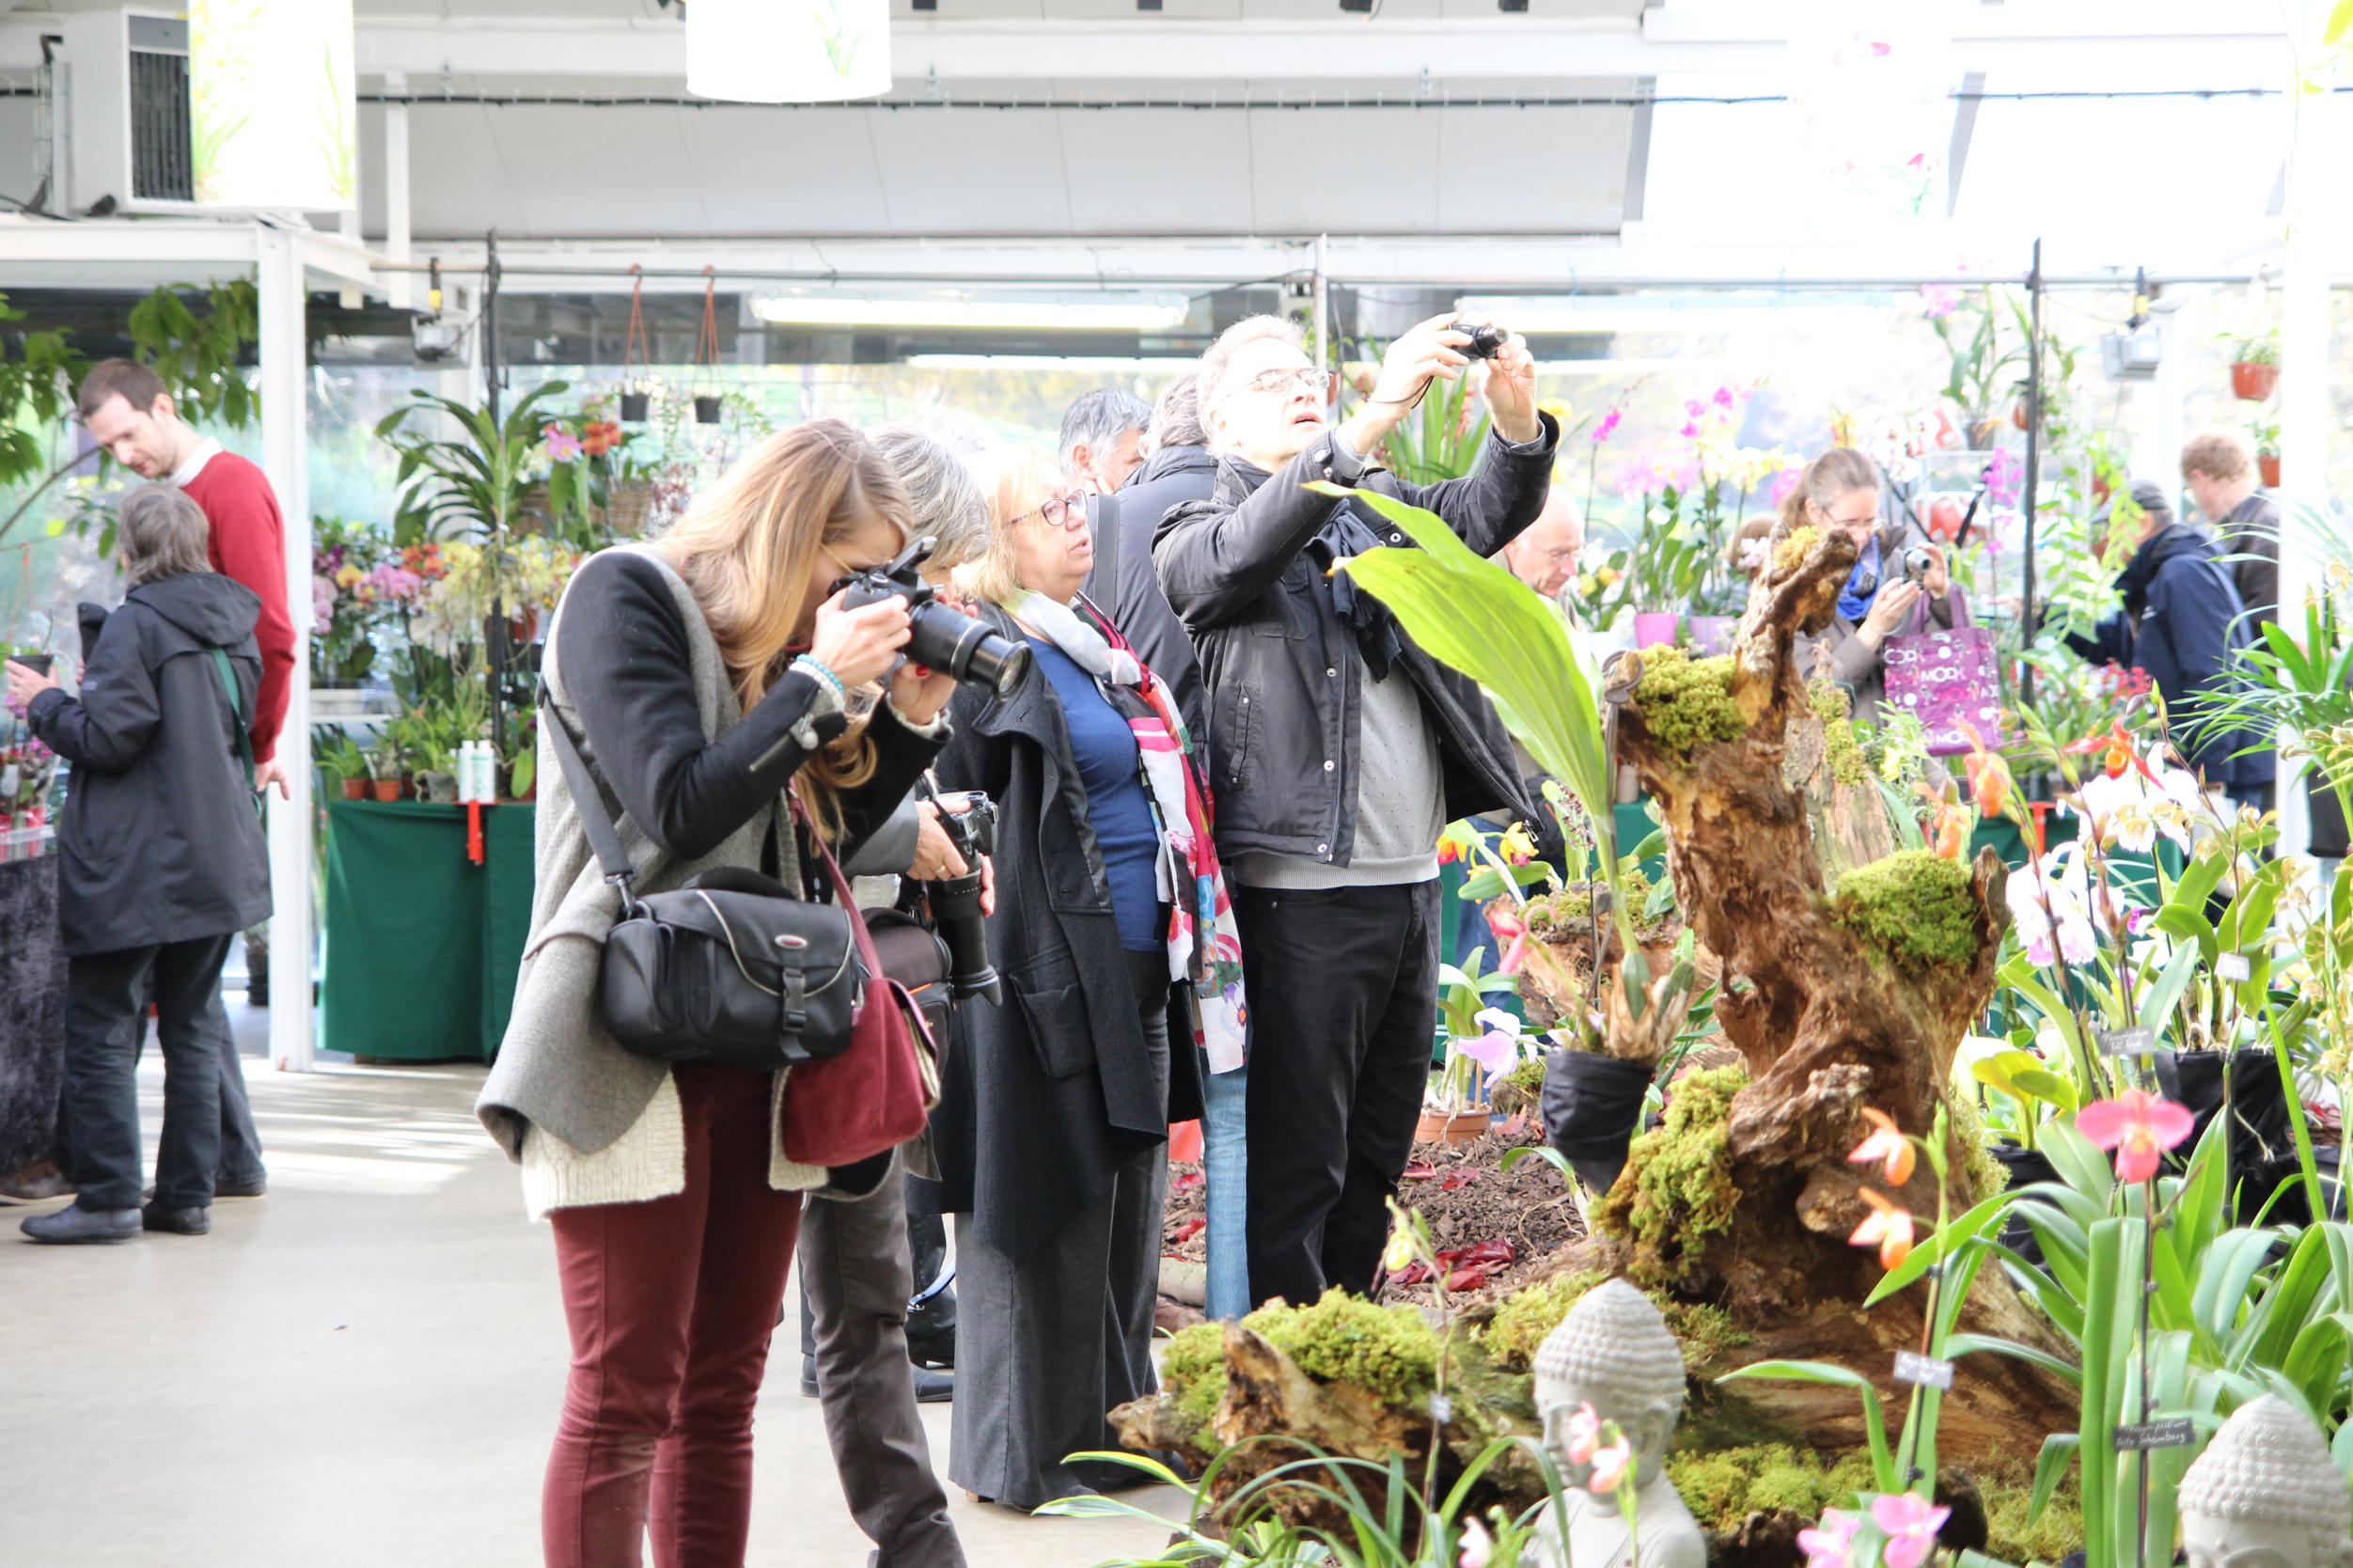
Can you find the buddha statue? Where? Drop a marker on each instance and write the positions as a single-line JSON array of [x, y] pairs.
[[1613, 1352], [2265, 1493]]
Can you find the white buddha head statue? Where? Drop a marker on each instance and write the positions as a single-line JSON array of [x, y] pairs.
[[2265, 1493], [1614, 1352]]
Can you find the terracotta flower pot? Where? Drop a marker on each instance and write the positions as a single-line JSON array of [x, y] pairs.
[[1453, 1127], [355, 789], [2268, 465], [2254, 382], [387, 790]]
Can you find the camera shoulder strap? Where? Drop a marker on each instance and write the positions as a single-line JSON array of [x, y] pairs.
[[587, 799], [1106, 520]]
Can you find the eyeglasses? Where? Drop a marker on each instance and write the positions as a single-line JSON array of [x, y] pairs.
[[1060, 511], [1316, 382], [1850, 522]]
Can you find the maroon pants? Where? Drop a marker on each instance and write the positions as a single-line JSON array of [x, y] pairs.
[[670, 1303]]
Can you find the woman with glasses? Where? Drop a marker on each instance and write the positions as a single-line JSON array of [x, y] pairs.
[[1051, 1133], [1881, 599]]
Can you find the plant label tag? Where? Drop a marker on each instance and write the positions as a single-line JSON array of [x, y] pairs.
[[1911, 1367], [2231, 966], [2175, 1434], [2137, 1041]]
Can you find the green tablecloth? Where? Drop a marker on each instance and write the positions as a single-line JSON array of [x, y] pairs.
[[421, 945]]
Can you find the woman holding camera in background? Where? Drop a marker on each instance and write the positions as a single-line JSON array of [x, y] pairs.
[[711, 676], [1896, 588], [1051, 1134]]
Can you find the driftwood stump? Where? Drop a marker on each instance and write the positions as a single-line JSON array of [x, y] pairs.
[[1827, 1023]]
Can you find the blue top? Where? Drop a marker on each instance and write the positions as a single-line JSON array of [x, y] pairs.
[[1117, 808]]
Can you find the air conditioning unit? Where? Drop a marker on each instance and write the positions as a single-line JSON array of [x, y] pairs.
[[2133, 355], [125, 113]]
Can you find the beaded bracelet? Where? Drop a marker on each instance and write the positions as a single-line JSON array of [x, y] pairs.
[[816, 666]]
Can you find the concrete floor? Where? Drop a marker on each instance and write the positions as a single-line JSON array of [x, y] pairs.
[[363, 1367]]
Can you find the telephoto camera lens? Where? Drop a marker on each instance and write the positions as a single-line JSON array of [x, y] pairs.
[[1486, 340], [956, 901], [937, 635]]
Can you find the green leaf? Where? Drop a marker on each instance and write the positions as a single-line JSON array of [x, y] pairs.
[[1963, 1230], [1874, 1426], [1969, 1344], [2156, 1002]]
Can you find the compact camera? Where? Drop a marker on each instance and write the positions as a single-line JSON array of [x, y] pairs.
[[1918, 560], [939, 637], [1486, 340]]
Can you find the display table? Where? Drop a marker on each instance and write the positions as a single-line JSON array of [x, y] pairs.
[[32, 1010], [421, 945]]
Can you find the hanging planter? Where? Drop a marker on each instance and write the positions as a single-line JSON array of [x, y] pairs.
[[2268, 463], [637, 406], [708, 405], [2252, 381]]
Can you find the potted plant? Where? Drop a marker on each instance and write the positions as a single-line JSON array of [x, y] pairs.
[[384, 773], [2256, 367], [2267, 433], [1669, 564], [1482, 1044], [343, 757]]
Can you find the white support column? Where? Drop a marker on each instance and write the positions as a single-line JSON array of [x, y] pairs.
[[2157, 404], [281, 294], [396, 190], [2314, 187]]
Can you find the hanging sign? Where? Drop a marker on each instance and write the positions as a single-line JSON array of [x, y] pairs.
[[271, 120], [772, 52]]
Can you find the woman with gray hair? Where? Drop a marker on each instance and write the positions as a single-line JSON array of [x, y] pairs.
[[161, 863]]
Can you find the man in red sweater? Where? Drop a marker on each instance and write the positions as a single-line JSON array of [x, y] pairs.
[[127, 411]]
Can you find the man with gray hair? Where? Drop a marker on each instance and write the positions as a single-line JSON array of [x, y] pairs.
[[1100, 431]]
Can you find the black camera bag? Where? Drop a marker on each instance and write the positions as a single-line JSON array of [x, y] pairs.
[[730, 969]]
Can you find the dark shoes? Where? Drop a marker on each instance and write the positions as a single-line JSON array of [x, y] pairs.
[[74, 1225], [180, 1222], [257, 1188], [932, 1386]]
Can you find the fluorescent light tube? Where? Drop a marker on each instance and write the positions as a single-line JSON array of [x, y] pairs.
[[1108, 313]]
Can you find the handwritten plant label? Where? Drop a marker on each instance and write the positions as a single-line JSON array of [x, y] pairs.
[[1925, 1371], [2231, 966], [2175, 1434], [2137, 1041]]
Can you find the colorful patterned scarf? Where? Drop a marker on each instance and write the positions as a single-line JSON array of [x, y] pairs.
[[1204, 942]]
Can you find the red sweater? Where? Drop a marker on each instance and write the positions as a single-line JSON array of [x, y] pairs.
[[249, 544]]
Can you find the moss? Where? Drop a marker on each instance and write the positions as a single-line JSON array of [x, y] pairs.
[[1703, 1330], [1914, 906], [1722, 1488], [1687, 701], [1521, 1088], [1567, 915], [1511, 1337], [1987, 1176], [1848, 764], [1676, 1189], [1795, 548], [2008, 1502], [1390, 1351]]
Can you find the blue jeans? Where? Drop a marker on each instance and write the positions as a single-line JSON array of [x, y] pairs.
[[1226, 1170]]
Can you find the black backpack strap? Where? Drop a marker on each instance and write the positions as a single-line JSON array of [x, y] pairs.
[[588, 800], [236, 710]]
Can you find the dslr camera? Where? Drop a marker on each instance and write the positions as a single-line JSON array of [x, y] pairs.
[[939, 637], [956, 901]]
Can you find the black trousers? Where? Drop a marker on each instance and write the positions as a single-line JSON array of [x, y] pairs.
[[106, 997], [1344, 1002]]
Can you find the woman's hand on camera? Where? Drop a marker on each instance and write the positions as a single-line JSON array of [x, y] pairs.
[[860, 646], [1888, 610], [935, 853], [919, 692], [1936, 579]]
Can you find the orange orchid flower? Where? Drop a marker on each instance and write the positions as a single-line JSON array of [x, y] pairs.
[[1887, 1145], [1886, 1226]]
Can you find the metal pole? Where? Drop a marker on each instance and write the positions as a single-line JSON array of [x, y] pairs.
[[490, 325], [2033, 459], [1323, 306], [280, 297], [395, 192]]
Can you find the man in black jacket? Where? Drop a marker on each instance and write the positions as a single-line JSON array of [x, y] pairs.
[[1338, 750], [2182, 625], [1123, 585]]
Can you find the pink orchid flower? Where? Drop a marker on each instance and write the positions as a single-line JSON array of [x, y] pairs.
[[1499, 1049], [1611, 1462], [2137, 1124], [1825, 1545], [1478, 1545], [1911, 1523], [1584, 1435]]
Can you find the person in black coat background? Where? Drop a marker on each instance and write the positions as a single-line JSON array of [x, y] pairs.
[[2184, 626], [1051, 1133], [163, 863], [1179, 469]]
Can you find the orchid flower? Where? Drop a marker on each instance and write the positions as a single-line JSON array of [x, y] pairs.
[[1889, 1227], [1887, 1144], [1911, 1523], [1499, 1049], [1584, 1435], [1612, 1464], [1826, 1545], [2139, 1126], [2057, 881], [1478, 1545]]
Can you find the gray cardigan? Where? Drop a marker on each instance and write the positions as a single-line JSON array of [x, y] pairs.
[[558, 1067]]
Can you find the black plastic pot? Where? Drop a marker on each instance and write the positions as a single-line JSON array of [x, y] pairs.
[[2023, 1168], [636, 407], [2328, 819], [1591, 1105], [707, 410]]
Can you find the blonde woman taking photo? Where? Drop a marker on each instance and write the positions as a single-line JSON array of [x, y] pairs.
[[712, 675]]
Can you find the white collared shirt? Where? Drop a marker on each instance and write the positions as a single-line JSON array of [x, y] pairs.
[[206, 451]]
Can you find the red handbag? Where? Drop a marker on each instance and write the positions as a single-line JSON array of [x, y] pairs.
[[875, 1095]]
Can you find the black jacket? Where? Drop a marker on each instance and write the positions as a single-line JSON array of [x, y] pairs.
[[1172, 476], [2183, 624], [1047, 1095], [159, 835], [1281, 667]]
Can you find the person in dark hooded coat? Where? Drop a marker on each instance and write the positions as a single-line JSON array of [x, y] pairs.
[[163, 864], [2185, 627]]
